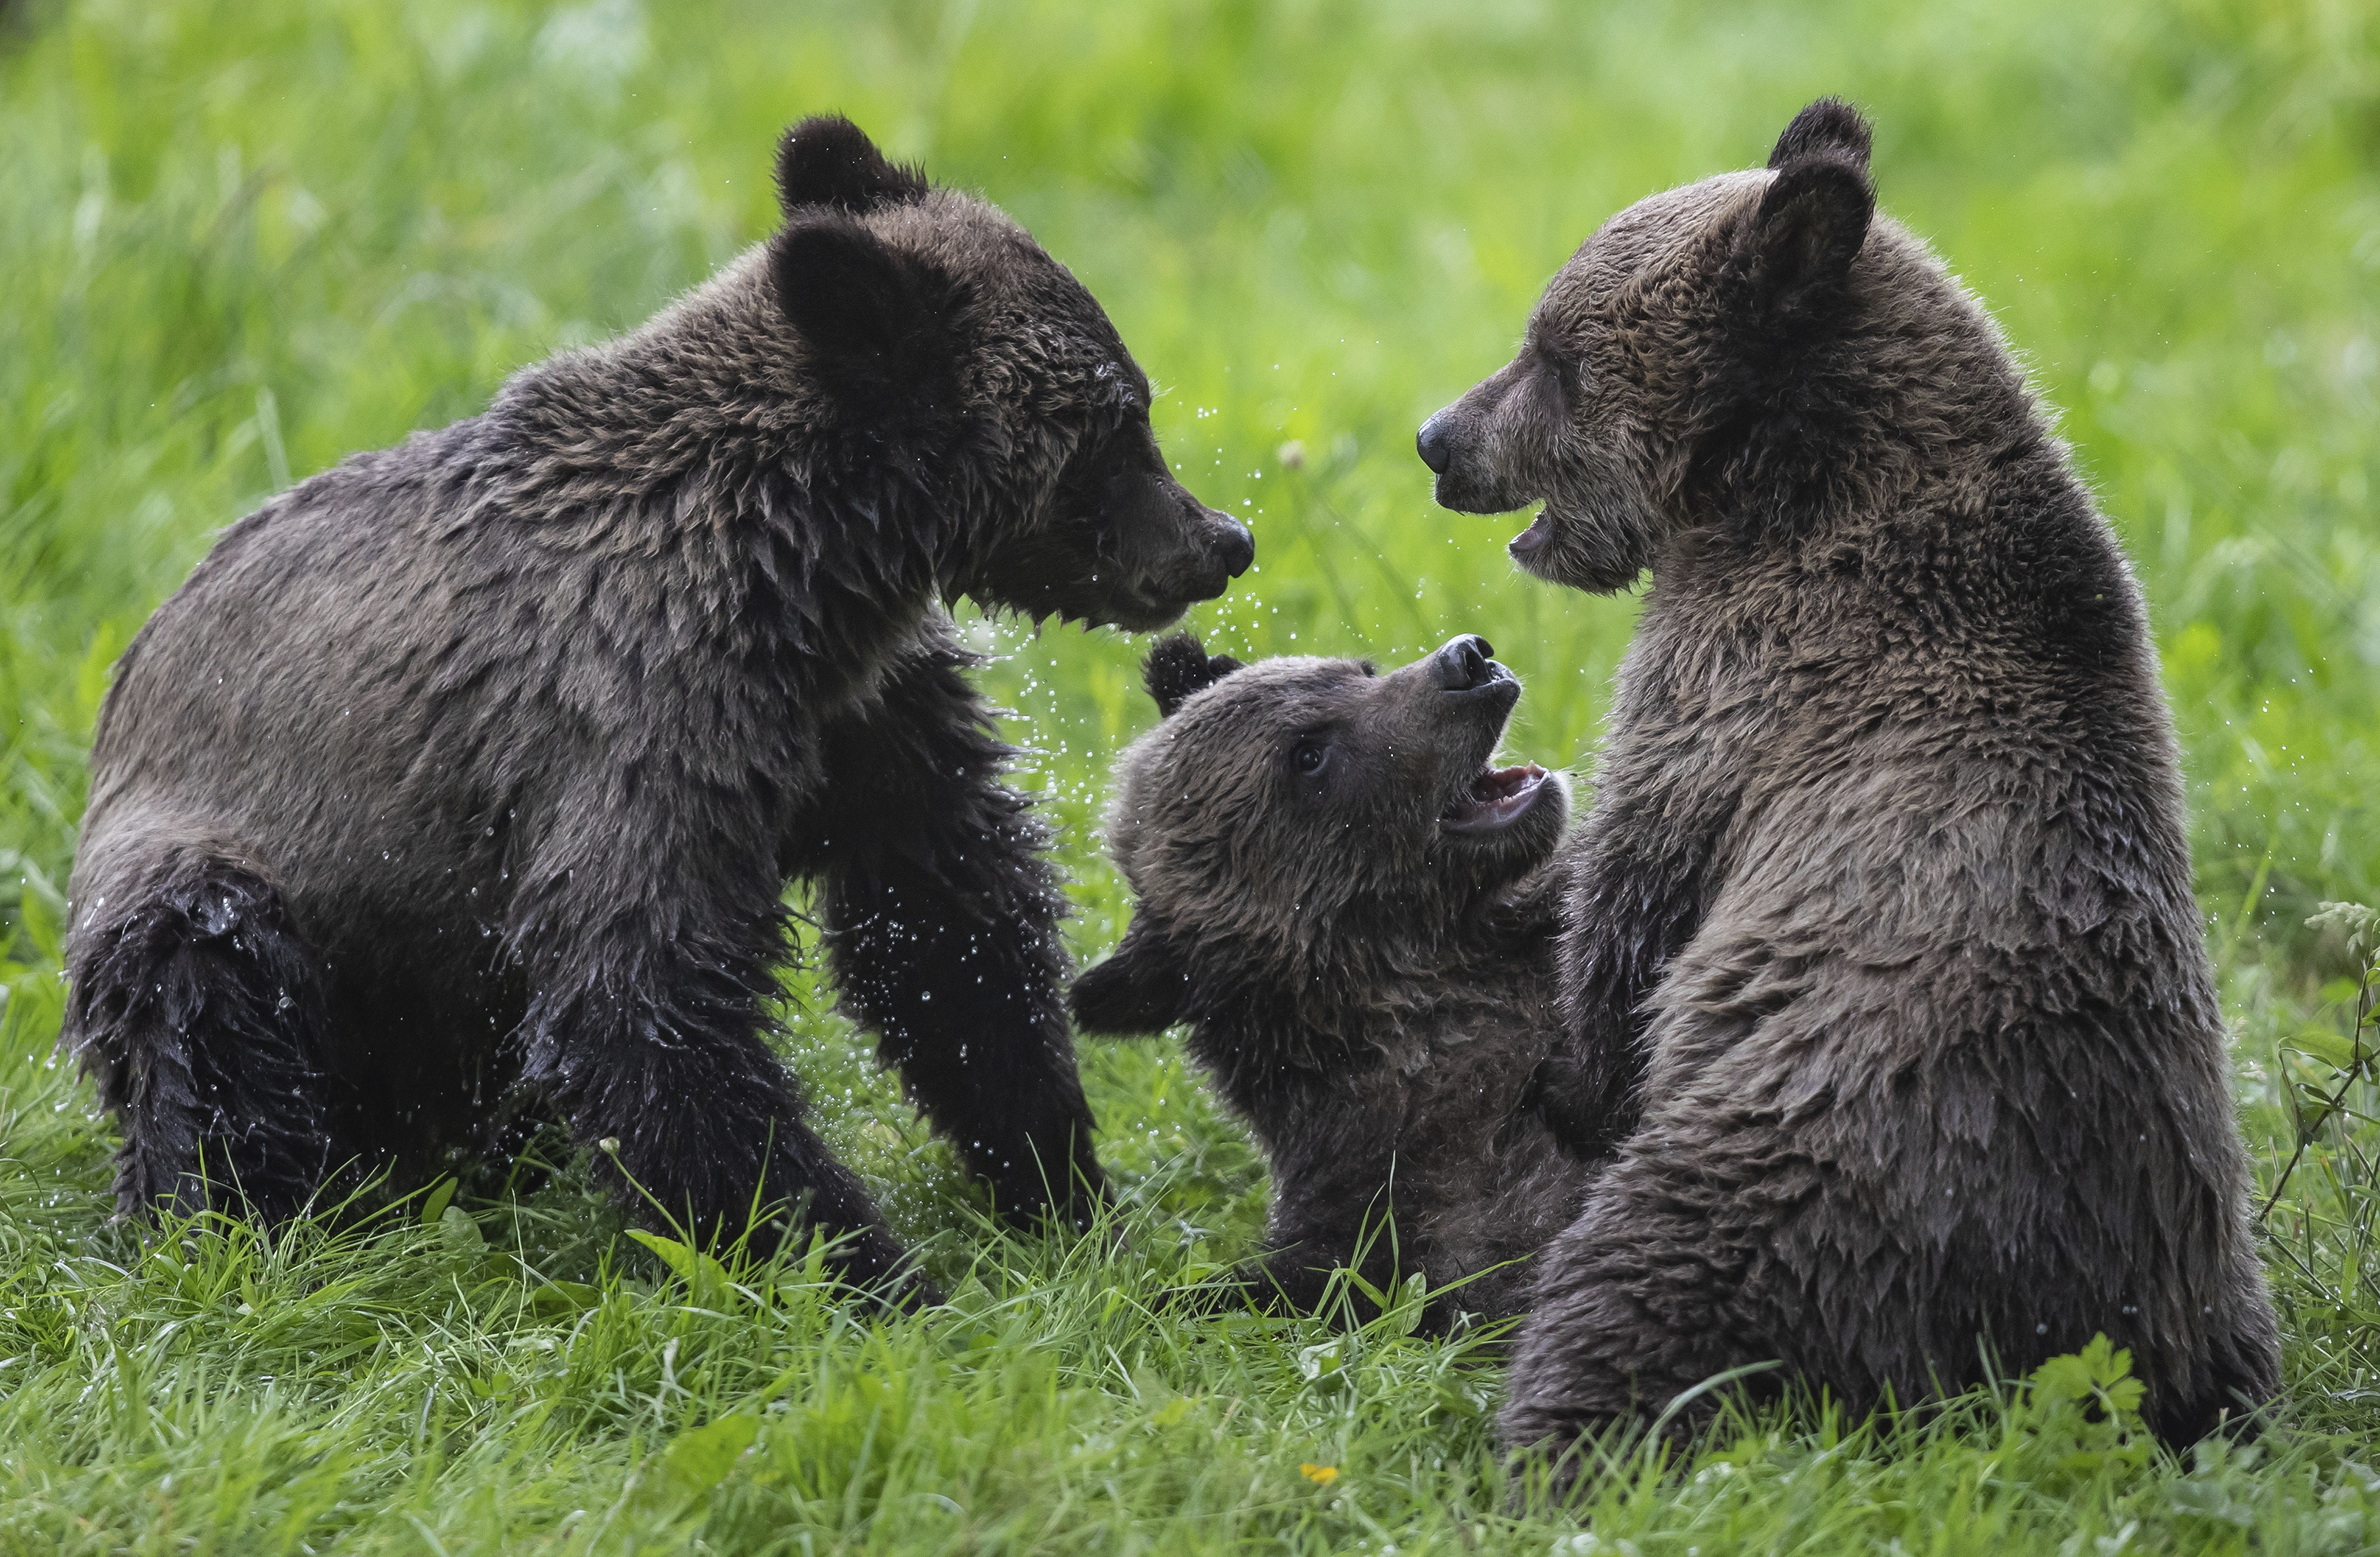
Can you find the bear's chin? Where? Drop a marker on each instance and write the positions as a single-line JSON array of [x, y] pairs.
[[1506, 824], [1133, 612], [1140, 614], [1585, 552], [1137, 605]]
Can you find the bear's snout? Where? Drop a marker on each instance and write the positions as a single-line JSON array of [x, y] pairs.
[[1436, 443], [1450, 444], [1234, 548], [1458, 444], [1214, 549], [1465, 664]]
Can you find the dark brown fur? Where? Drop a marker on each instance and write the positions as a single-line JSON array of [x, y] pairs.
[[460, 785], [1881, 922], [1366, 971]]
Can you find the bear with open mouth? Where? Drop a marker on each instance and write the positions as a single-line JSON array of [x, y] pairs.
[[1349, 905], [1881, 933]]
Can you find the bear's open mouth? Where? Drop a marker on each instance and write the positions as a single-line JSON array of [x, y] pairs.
[[1533, 538], [1497, 798]]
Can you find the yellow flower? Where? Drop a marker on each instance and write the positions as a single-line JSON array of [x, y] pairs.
[[1321, 1476]]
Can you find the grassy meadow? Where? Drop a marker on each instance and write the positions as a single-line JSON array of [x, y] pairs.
[[240, 242]]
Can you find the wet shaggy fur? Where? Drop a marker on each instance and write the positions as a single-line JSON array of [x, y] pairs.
[[1368, 986], [1881, 930], [459, 786]]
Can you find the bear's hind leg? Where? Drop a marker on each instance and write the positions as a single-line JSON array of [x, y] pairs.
[[1637, 1302], [2241, 1373], [199, 1012]]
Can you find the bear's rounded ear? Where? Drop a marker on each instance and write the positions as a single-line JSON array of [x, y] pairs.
[[1829, 125], [868, 308], [1142, 988], [1179, 666], [1813, 216], [827, 160]]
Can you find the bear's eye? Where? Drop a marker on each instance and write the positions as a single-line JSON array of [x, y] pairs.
[[1308, 756], [1562, 369]]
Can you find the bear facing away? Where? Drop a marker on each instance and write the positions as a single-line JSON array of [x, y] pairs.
[[460, 785], [1348, 906], [1881, 921]]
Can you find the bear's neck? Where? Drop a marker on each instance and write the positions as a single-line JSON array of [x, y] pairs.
[[1916, 404], [688, 449], [1259, 1028]]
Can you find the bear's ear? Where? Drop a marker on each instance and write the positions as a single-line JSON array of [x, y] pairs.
[[1180, 665], [827, 160], [1142, 988], [867, 307], [1813, 216], [1829, 125]]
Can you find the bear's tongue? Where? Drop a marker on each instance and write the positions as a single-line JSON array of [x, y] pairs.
[[1495, 797]]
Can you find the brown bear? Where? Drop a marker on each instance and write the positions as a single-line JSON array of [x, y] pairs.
[[1350, 908], [459, 786], [1879, 935]]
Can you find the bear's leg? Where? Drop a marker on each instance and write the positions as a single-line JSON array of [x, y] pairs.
[[714, 1137], [942, 921], [1640, 873], [647, 928], [199, 1012], [1295, 1274], [650, 1045], [1639, 1301], [2243, 1371]]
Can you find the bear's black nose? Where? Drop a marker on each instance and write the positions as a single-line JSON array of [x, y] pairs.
[[1237, 548], [1462, 663], [1435, 446]]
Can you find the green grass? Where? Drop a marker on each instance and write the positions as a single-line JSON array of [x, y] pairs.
[[242, 241]]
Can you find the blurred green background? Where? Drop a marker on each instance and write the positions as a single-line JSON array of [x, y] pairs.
[[241, 242]]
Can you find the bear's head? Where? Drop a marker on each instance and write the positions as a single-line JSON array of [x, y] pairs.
[[1711, 351], [936, 338], [1312, 827]]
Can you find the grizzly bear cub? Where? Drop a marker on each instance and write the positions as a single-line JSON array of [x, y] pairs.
[[460, 787], [1880, 932], [1350, 909]]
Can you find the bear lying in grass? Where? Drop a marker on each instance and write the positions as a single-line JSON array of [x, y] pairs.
[[1881, 927], [1350, 909], [459, 787]]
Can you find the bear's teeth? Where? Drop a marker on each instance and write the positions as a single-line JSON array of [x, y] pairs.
[[1496, 795]]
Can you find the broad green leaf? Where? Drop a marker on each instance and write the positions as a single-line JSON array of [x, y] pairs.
[[693, 1267], [460, 1232], [699, 1458], [2332, 1049], [1325, 1362], [562, 1299]]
